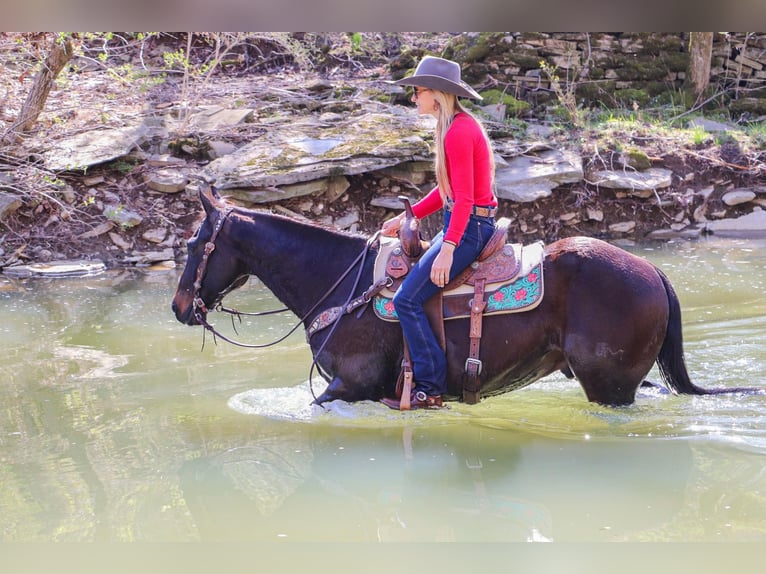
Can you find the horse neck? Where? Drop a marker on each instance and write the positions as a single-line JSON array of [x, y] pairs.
[[298, 262]]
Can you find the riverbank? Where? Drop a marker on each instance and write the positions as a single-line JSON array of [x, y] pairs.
[[627, 175]]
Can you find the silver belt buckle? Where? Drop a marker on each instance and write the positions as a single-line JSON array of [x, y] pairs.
[[476, 362]]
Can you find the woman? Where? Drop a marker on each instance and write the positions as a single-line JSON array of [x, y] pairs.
[[465, 170]]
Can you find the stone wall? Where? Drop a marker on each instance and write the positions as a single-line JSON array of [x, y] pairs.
[[612, 69]]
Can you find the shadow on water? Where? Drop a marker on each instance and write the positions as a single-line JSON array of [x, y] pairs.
[[535, 465]]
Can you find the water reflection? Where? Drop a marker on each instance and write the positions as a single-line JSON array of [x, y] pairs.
[[117, 426]]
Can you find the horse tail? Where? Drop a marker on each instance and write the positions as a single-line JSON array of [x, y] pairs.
[[671, 362]]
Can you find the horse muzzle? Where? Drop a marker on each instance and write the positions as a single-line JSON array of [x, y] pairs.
[[187, 313]]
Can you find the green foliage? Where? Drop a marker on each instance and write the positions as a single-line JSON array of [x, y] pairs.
[[124, 166], [756, 132], [698, 135], [566, 96], [356, 41]]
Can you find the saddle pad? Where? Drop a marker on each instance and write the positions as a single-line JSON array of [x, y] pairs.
[[522, 293]]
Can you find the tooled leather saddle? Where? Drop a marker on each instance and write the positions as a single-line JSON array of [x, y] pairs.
[[505, 278]]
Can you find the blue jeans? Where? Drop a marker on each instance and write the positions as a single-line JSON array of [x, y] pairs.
[[429, 365]]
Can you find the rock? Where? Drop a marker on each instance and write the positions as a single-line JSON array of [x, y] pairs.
[[93, 147], [218, 149], [595, 214], [93, 180], [347, 220], [8, 204], [331, 117], [319, 85], [155, 235], [308, 150], [737, 196], [6, 179], [636, 159], [494, 111], [539, 130], [710, 125], [415, 172], [69, 194], [119, 241], [166, 180], [623, 227], [638, 183], [76, 268], [700, 214], [150, 257], [752, 223], [164, 160], [390, 202], [569, 218], [686, 233], [212, 118], [336, 187], [527, 179], [268, 195], [121, 216], [98, 230]]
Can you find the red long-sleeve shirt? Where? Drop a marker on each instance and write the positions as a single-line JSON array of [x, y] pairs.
[[469, 172]]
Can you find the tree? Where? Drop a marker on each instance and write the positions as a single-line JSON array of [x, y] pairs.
[[60, 53], [700, 55]]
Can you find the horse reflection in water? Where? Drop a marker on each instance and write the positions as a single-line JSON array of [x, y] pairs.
[[606, 318]]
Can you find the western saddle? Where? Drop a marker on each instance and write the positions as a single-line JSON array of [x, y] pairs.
[[496, 262]]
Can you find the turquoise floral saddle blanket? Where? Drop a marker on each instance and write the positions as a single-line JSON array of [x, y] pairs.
[[513, 277]]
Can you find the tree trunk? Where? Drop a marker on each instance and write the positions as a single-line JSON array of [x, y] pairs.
[[61, 52], [700, 55]]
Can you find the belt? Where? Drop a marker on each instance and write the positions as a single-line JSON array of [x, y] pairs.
[[480, 210]]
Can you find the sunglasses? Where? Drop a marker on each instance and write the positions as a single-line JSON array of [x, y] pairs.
[[417, 91]]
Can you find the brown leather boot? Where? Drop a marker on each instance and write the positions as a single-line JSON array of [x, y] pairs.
[[418, 400]]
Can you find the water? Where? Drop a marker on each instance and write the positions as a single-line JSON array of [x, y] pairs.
[[117, 425]]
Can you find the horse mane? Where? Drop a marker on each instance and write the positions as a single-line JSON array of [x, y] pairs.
[[299, 221]]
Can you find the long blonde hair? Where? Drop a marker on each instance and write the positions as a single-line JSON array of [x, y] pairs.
[[449, 105]]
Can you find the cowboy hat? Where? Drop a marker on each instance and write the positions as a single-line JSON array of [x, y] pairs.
[[439, 74]]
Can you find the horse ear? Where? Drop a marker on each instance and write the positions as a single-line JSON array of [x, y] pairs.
[[208, 197]]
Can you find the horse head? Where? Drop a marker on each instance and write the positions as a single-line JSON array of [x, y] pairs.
[[211, 270]]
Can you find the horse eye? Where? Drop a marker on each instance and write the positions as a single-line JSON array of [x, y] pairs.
[[192, 241]]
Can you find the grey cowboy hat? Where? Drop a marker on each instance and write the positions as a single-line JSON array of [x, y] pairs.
[[439, 74]]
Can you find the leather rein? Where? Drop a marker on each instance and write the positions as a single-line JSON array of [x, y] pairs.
[[201, 310]]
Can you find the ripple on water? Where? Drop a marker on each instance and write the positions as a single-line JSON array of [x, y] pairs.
[[554, 409]]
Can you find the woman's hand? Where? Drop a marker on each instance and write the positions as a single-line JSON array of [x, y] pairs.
[[391, 226], [442, 265]]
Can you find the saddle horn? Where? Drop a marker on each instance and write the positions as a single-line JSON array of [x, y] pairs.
[[409, 232]]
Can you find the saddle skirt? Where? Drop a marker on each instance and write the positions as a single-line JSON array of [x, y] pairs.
[[513, 277]]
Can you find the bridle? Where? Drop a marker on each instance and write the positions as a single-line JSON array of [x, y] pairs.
[[197, 303], [201, 310]]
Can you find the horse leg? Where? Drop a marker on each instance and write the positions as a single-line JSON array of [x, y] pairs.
[[610, 387], [609, 371], [349, 390], [611, 364], [335, 390]]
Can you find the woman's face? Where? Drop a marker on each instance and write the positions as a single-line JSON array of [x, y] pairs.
[[423, 98]]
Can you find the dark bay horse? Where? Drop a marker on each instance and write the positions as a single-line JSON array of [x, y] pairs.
[[607, 315]]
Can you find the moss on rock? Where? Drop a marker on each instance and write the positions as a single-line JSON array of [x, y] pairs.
[[514, 107]]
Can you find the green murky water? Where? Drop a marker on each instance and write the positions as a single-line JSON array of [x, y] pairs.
[[115, 425]]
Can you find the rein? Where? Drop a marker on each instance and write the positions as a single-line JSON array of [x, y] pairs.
[[200, 309]]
